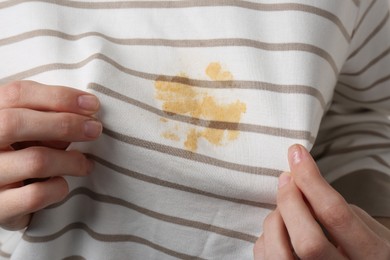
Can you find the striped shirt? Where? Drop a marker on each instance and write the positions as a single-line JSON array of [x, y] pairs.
[[200, 100]]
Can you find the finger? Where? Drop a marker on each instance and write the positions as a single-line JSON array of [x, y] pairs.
[[276, 240], [22, 201], [258, 249], [18, 125], [41, 162], [17, 223], [374, 225], [32, 95], [349, 232], [307, 238]]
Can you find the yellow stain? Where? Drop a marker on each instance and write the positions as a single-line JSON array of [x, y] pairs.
[[191, 143], [214, 72], [179, 98], [171, 136]]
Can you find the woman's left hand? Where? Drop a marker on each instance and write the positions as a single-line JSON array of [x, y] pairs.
[[313, 221]]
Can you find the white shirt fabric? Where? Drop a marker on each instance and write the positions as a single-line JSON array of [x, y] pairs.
[[200, 101]]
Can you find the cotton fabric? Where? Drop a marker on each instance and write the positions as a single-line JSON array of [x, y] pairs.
[[200, 101]]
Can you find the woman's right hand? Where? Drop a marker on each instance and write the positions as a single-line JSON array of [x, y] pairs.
[[37, 123]]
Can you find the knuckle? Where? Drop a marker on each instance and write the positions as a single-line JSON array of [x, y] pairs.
[[41, 194], [58, 96], [310, 248], [8, 125], [11, 93], [337, 216], [34, 197], [65, 128], [36, 161]]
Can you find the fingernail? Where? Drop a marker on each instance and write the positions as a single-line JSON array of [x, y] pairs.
[[92, 128], [88, 102], [295, 154], [284, 178]]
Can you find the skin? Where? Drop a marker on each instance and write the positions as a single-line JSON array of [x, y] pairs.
[[37, 123], [306, 206]]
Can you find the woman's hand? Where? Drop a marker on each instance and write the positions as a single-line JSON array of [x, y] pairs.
[[313, 221], [37, 122]]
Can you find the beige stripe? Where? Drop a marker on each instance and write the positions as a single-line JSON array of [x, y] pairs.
[[359, 124], [188, 43], [258, 85], [163, 217], [369, 65], [332, 138], [363, 18], [190, 155], [195, 3], [370, 36], [176, 186], [105, 238], [287, 89], [379, 81], [328, 151], [362, 101], [206, 43], [364, 124], [45, 68], [287, 133]]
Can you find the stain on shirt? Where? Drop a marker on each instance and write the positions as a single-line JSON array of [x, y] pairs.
[[183, 99]]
